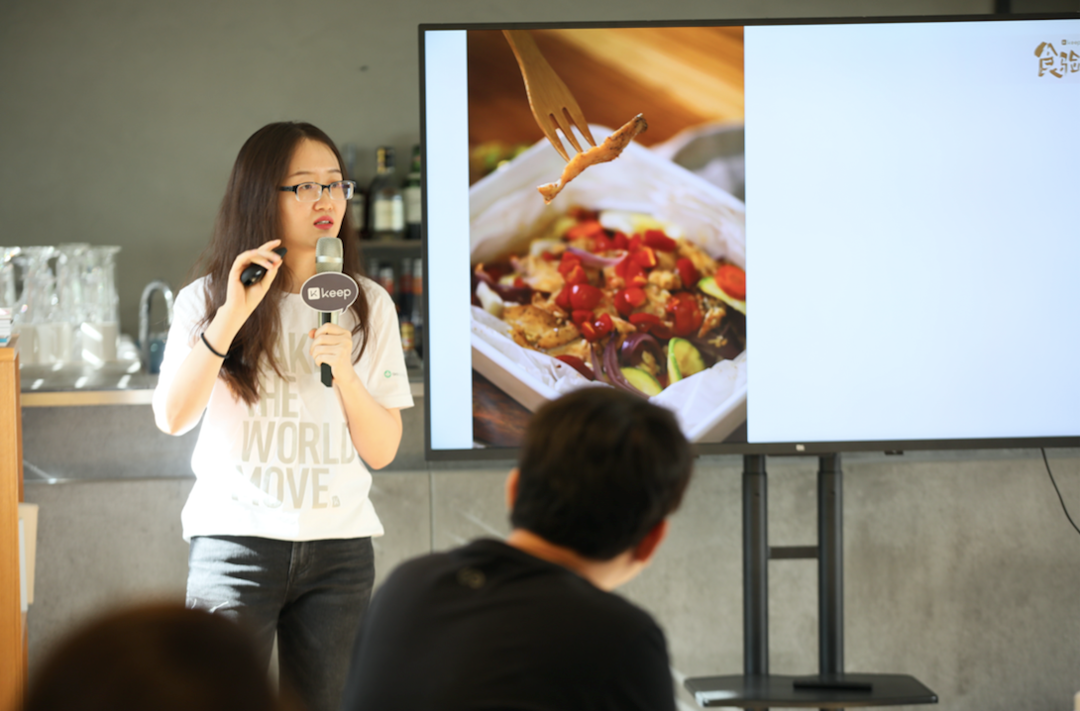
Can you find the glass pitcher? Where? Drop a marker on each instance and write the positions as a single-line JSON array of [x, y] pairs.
[[71, 268], [9, 291], [35, 313], [100, 330]]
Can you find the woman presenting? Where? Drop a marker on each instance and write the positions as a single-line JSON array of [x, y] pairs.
[[279, 519]]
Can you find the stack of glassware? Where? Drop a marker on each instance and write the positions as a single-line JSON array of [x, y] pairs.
[[64, 302]]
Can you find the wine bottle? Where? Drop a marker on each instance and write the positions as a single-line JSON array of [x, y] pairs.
[[356, 203], [386, 207], [412, 194], [388, 281], [405, 288], [407, 315], [408, 345], [417, 313]]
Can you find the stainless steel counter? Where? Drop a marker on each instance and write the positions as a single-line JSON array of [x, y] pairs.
[[119, 383]]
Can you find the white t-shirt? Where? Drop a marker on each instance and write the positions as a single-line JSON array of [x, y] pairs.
[[285, 468]]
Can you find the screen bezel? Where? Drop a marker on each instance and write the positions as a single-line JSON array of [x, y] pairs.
[[742, 448]]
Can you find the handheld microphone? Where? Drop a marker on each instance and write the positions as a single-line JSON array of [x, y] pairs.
[[254, 272], [328, 258]]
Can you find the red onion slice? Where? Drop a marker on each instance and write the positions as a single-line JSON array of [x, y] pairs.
[[595, 260], [636, 344], [614, 373], [515, 294], [594, 361]]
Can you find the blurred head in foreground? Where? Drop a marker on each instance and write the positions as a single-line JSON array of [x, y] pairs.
[[162, 657], [598, 471]]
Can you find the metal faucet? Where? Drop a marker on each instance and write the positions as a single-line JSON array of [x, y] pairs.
[[144, 316]]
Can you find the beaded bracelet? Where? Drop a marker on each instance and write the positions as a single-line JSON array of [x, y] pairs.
[[207, 343]]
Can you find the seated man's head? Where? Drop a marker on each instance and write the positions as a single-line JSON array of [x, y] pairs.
[[599, 472]]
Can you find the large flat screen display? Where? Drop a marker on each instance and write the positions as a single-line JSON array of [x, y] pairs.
[[832, 235]]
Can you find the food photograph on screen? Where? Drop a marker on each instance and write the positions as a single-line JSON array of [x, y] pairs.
[[609, 251]]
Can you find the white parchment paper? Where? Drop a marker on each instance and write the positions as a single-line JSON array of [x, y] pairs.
[[506, 210]]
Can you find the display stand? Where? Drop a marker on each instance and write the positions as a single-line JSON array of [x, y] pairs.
[[12, 619], [831, 688]]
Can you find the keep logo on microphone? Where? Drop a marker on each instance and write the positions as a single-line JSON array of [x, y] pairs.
[[330, 291]]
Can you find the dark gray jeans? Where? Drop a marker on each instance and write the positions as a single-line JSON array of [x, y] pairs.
[[313, 594]]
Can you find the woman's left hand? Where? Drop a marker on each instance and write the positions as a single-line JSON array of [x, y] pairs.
[[333, 345]]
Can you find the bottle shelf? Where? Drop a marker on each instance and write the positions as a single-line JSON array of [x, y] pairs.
[[369, 246]]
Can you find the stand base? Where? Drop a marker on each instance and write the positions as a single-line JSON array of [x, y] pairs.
[[831, 691]]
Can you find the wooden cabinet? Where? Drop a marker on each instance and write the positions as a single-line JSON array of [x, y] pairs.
[[12, 619]]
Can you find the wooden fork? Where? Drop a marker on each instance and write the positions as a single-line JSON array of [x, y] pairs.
[[552, 103]]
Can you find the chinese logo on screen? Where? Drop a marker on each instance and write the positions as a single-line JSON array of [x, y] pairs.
[[1058, 63]]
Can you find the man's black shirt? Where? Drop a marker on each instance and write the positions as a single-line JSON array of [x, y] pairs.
[[488, 626]]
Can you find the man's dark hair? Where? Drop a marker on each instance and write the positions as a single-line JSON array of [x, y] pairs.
[[599, 468]]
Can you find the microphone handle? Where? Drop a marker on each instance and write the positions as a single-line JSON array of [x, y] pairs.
[[327, 372]]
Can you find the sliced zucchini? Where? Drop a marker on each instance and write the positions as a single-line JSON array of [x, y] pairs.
[[710, 287], [684, 359], [641, 380]]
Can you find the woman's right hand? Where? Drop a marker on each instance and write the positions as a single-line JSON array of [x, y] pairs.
[[241, 300]]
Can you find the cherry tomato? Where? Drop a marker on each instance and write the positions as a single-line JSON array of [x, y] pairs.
[[586, 228], [580, 316], [640, 319], [732, 280], [588, 331], [601, 243], [650, 323], [686, 312], [576, 275], [567, 262], [631, 272], [646, 257], [603, 324], [562, 299], [628, 299], [660, 241], [620, 267], [688, 273], [584, 296], [620, 241]]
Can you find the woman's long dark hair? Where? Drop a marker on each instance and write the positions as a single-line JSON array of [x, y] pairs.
[[249, 217]]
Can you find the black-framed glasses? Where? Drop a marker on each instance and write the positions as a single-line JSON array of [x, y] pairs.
[[311, 192]]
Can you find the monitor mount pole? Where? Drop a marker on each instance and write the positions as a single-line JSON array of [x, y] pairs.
[[831, 687], [830, 556]]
